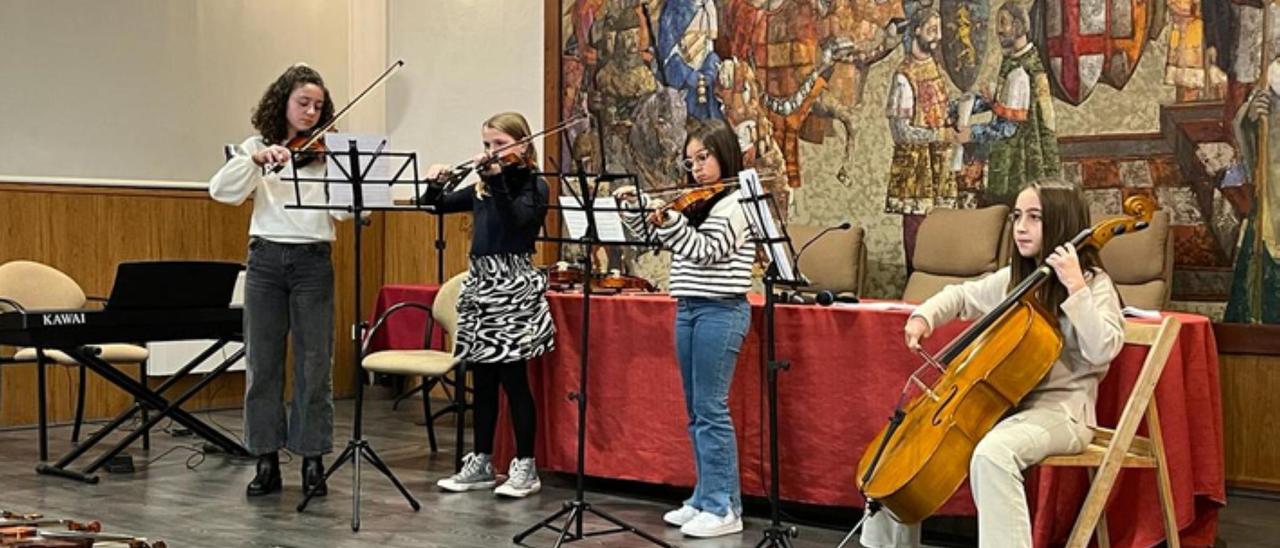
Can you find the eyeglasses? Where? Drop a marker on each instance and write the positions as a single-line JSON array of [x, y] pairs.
[[701, 157]]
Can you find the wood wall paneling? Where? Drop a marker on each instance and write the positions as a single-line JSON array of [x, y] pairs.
[[86, 231], [1251, 420]]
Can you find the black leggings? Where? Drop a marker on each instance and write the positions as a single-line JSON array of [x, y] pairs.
[[514, 378]]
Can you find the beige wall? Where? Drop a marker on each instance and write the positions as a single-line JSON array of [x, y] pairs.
[[460, 69], [149, 89]]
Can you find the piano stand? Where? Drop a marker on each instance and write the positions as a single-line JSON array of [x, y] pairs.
[[146, 397]]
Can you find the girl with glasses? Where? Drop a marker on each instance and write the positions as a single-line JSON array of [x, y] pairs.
[[710, 275]]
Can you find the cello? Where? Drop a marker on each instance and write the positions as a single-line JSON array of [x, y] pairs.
[[917, 461]]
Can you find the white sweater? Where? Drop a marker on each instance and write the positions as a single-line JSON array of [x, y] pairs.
[[240, 178]]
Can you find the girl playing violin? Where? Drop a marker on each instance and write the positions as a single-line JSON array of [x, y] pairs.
[[1055, 418], [710, 276], [503, 315], [288, 284]]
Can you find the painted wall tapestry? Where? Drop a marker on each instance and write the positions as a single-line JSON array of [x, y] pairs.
[[878, 111]]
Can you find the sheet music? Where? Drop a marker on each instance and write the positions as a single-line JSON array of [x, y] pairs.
[[608, 223], [760, 216], [373, 194]]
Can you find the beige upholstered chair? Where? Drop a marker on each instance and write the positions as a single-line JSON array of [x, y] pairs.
[[431, 365], [33, 286], [837, 262], [1112, 450], [956, 245], [1141, 264]]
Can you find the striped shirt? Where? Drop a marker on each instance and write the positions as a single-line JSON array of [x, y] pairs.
[[711, 260]]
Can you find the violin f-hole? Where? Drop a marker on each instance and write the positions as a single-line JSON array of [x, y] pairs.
[[936, 420]]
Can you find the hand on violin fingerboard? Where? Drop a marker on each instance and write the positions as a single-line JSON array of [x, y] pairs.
[[659, 215], [627, 194], [437, 172], [1066, 264], [272, 155], [488, 167]]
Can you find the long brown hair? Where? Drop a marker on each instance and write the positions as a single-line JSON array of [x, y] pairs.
[[1063, 215], [269, 116], [513, 124], [722, 143]]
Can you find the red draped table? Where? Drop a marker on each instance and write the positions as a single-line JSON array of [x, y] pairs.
[[848, 366], [405, 329]]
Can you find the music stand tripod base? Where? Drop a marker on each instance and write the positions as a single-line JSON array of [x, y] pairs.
[[571, 528], [781, 271], [358, 447]]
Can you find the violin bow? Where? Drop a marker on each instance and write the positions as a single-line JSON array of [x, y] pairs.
[[317, 133]]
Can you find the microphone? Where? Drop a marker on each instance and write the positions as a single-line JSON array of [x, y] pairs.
[[842, 226], [821, 298]]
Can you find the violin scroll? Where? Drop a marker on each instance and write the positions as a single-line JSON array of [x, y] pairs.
[[1139, 210]]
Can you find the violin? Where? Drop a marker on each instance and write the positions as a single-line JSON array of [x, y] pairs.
[[696, 198], [503, 160], [503, 155], [563, 277], [311, 144], [922, 456], [307, 149], [696, 201]]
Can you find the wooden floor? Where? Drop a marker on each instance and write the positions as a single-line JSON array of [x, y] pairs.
[[206, 506]]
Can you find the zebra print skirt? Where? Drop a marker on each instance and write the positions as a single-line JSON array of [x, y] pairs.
[[503, 314]]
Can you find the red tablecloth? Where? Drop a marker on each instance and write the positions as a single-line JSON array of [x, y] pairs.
[[405, 329], [847, 368]]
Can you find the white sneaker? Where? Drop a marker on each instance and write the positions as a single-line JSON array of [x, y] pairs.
[[707, 525], [522, 479], [680, 516], [476, 473]]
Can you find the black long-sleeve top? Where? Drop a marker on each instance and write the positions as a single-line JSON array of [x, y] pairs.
[[508, 218]]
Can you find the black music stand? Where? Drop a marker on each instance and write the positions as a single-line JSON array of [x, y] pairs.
[[355, 174], [781, 271], [575, 510]]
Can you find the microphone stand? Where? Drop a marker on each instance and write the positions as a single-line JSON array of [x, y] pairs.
[[777, 247], [789, 297], [842, 226]]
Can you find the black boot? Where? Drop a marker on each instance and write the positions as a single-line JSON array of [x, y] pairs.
[[267, 480], [313, 477]]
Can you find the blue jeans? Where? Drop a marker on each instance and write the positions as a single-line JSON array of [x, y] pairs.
[[709, 334], [288, 291]]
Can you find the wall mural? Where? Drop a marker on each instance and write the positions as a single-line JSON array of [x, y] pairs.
[[876, 111]]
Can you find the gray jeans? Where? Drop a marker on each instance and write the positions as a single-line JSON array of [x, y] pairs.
[[288, 288]]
